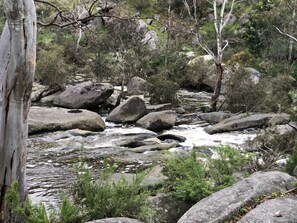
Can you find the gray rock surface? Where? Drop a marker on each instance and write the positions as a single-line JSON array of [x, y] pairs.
[[43, 119], [86, 95], [159, 107], [172, 136], [214, 117], [116, 220], [128, 111], [222, 205], [278, 210], [245, 121], [136, 86], [158, 121]]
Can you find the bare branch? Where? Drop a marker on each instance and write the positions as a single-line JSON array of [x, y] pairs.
[[286, 34], [227, 44]]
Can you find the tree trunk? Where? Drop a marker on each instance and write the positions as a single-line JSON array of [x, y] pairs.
[[217, 90], [17, 66]]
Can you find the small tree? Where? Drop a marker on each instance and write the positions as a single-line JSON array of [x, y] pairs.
[[220, 21]]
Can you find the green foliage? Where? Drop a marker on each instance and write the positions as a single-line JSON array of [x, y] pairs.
[[104, 197], [191, 179], [187, 178], [292, 162], [162, 90], [51, 67]]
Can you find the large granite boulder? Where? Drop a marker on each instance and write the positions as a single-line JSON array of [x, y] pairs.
[[222, 205], [43, 119], [158, 121], [86, 95], [116, 220], [245, 121], [279, 210], [129, 111], [136, 86]]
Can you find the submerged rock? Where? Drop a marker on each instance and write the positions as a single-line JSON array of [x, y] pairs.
[[222, 205], [214, 117], [43, 119]]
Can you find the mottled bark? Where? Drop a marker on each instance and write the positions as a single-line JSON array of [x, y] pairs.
[[17, 66], [217, 90]]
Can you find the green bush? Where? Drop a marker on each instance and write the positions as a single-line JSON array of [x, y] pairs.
[[191, 180], [162, 90], [51, 67], [292, 162]]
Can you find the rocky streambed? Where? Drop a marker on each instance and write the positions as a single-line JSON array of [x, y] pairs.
[[52, 156]]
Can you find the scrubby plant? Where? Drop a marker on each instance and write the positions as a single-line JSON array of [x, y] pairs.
[[187, 178], [192, 179], [292, 162], [162, 90], [51, 67]]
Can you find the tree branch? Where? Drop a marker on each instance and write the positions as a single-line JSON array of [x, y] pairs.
[[286, 34]]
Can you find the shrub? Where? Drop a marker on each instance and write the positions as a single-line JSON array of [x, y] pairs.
[[292, 162], [191, 180], [162, 90], [187, 178], [51, 67]]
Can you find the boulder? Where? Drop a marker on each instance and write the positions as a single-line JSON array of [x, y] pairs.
[[151, 39], [129, 111], [214, 117], [172, 136], [158, 121], [136, 86], [158, 107], [116, 220], [278, 210], [245, 121], [43, 119], [222, 205], [86, 95]]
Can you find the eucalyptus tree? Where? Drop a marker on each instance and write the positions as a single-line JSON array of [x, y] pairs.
[[220, 20], [17, 66]]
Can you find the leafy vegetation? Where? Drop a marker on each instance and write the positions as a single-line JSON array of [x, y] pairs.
[[192, 179], [91, 199], [292, 162]]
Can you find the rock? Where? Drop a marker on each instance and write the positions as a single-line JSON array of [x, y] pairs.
[[172, 136], [153, 178], [159, 107], [168, 208], [151, 39], [129, 111], [86, 95], [231, 19], [222, 205], [158, 121], [114, 100], [136, 86], [214, 117], [43, 119], [295, 171], [278, 210], [254, 74], [49, 100], [116, 220], [153, 147], [243, 121]]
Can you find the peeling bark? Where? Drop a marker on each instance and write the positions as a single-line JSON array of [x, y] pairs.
[[17, 66]]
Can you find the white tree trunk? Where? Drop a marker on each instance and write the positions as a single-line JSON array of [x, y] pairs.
[[17, 66]]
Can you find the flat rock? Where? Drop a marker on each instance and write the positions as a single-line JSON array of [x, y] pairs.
[[159, 107], [43, 119], [172, 136], [128, 111], [222, 205], [278, 210], [214, 117], [158, 121], [85, 95], [245, 121], [116, 220]]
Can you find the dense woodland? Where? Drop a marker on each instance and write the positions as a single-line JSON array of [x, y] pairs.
[[243, 53]]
